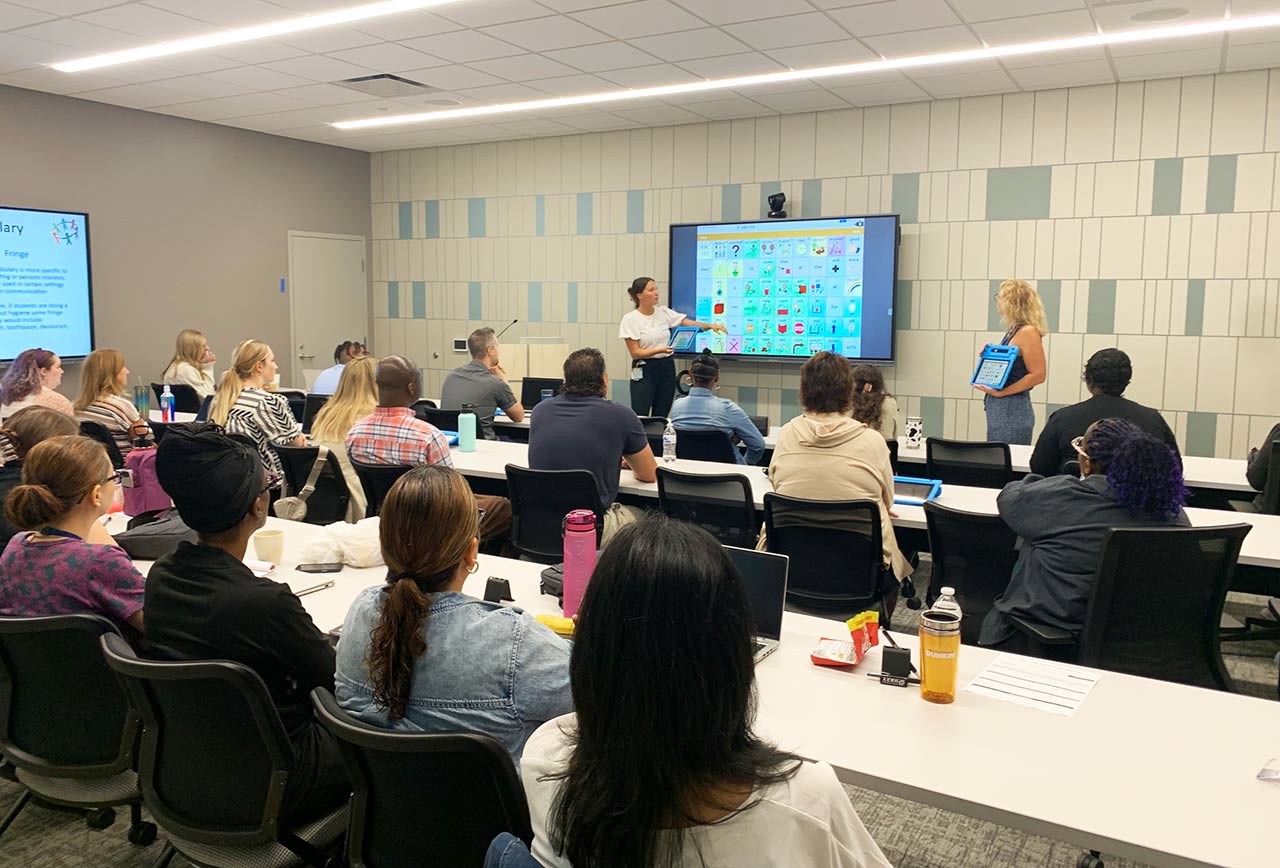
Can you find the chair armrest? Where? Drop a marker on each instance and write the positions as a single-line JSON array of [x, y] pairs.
[[1243, 506], [1042, 633]]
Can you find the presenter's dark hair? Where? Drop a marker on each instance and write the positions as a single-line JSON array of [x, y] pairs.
[[664, 688], [1109, 371], [637, 287], [584, 374], [826, 383], [868, 405], [1143, 473], [704, 369]]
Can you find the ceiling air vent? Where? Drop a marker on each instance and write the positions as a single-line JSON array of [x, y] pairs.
[[387, 86]]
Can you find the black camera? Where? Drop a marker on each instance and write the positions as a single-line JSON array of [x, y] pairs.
[[776, 203]]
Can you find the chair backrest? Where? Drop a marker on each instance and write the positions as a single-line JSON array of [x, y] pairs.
[[215, 758], [705, 444], [540, 499], [377, 479], [98, 431], [1156, 603], [159, 429], [328, 502], [185, 398], [964, 462], [761, 423], [1271, 490], [653, 427], [310, 407], [893, 455], [433, 799], [835, 549], [297, 402], [445, 420], [62, 713], [531, 389], [719, 503], [202, 415], [973, 553], [422, 404]]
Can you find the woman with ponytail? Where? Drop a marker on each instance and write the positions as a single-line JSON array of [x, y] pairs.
[[873, 406], [242, 404], [67, 563], [418, 654], [1128, 478]]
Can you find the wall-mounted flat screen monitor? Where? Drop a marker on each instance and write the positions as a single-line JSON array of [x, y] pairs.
[[46, 291]]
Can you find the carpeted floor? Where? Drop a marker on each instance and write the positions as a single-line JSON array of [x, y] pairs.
[[911, 835]]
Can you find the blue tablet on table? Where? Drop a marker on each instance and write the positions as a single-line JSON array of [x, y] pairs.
[[994, 366], [451, 436], [911, 491]]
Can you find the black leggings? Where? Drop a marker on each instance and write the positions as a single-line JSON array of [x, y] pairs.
[[657, 389]]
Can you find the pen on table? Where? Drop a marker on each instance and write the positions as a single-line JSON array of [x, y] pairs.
[[889, 636]]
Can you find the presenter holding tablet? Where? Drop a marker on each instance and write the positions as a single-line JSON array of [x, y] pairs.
[[1010, 418], [647, 331]]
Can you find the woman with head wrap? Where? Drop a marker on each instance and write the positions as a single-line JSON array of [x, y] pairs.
[[209, 606], [703, 408]]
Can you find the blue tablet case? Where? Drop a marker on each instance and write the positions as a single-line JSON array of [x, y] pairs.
[[924, 490], [994, 366], [683, 339]]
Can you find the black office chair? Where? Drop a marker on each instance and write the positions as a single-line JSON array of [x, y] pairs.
[[893, 455], [973, 553], [1270, 492], [964, 462], [445, 420], [435, 799], [423, 404], [98, 431], [328, 501], [1155, 607], [185, 398], [297, 402], [705, 444], [837, 557], [202, 415], [761, 423], [540, 499], [215, 762], [310, 407], [531, 390], [721, 504], [653, 427], [65, 723], [159, 429], [377, 479]]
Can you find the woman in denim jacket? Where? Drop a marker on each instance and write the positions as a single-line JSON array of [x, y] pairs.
[[418, 654]]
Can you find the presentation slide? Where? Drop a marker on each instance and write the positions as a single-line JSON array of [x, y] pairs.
[[789, 288], [46, 297]]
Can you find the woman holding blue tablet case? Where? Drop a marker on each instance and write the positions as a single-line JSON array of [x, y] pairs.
[[1010, 418], [647, 331]]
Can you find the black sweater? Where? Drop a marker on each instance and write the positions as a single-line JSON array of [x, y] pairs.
[[1054, 446]]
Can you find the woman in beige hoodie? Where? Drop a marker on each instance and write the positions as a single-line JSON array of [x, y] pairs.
[[825, 455]]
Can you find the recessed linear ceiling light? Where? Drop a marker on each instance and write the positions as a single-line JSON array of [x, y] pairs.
[[922, 60], [248, 34]]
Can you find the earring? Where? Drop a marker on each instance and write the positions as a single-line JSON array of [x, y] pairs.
[[474, 568]]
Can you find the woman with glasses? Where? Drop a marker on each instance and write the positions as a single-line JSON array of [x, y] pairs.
[[1128, 478], [67, 563]]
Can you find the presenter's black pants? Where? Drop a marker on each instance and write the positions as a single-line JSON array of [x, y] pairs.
[[652, 394]]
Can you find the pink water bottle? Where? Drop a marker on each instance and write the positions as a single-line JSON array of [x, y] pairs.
[[579, 557]]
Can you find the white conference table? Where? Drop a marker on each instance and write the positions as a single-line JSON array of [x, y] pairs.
[[1156, 772], [1261, 547]]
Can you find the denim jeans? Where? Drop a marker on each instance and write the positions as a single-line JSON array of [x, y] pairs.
[[508, 851]]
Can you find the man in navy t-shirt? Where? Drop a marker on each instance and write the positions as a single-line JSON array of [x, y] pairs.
[[581, 429]]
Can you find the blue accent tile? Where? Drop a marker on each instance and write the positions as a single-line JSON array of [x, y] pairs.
[[540, 215], [906, 196], [635, 211], [433, 218], [994, 323], [406, 220], [1018, 194], [571, 311], [1195, 307], [419, 299], [767, 189], [790, 405], [1220, 196], [475, 218], [811, 198], [1101, 319], [731, 202], [620, 390], [535, 301], [585, 213], [932, 413], [902, 304], [1202, 434], [1051, 294], [1166, 187], [393, 299], [475, 301], [749, 399]]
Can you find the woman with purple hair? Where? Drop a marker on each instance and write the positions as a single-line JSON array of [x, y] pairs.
[[31, 381], [1128, 478]]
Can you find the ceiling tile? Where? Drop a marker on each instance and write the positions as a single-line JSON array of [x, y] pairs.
[[730, 11], [43, 78], [1051, 58], [19, 52], [895, 16], [1031, 28], [407, 25], [1198, 61], [453, 77], [1209, 41], [1119, 16], [66, 7], [725, 108], [523, 67], [481, 13], [463, 46], [146, 22], [262, 51], [649, 76], [729, 65], [924, 42], [579, 5], [689, 44], [547, 34], [325, 94], [639, 19], [601, 56], [1254, 55], [317, 67], [505, 92], [970, 83], [1075, 74], [986, 10], [596, 121], [88, 38], [658, 115], [140, 96], [328, 39], [229, 13], [388, 57], [540, 127], [823, 54], [203, 87], [880, 93], [786, 32], [194, 63], [20, 16], [258, 78], [943, 70], [572, 85], [790, 103]]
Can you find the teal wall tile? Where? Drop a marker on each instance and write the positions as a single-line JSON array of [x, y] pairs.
[[419, 299], [475, 301], [749, 400], [994, 323], [584, 214], [1221, 195], [535, 301], [635, 211], [1166, 186], [811, 198], [902, 299], [906, 196], [433, 218], [540, 215], [475, 218], [393, 299], [1051, 295], [1050, 409], [1018, 194], [572, 302], [620, 391], [932, 413], [1195, 307], [406, 220], [790, 405], [1102, 307], [767, 189], [731, 203], [1202, 434]]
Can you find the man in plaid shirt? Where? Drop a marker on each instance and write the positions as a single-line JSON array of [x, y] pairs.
[[393, 435]]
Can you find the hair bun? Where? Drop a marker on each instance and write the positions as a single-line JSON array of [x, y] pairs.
[[31, 506]]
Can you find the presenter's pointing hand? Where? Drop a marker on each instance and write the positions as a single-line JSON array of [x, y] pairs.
[[719, 327]]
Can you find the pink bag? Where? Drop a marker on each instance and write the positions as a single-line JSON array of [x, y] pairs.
[[146, 495]]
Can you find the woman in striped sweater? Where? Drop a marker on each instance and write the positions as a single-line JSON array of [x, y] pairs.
[[102, 399]]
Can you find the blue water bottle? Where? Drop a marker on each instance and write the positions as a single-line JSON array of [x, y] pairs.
[[467, 428]]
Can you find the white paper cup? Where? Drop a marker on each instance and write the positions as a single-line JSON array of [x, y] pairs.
[[269, 545]]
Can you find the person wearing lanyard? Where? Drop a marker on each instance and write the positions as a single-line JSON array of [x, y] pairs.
[[647, 331], [1010, 418]]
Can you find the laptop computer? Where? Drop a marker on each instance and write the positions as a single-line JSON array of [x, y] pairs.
[[764, 575]]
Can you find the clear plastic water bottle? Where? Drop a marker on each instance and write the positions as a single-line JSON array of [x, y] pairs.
[[579, 557], [669, 443], [946, 602], [467, 429], [166, 404]]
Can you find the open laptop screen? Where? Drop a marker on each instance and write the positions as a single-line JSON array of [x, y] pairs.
[[765, 577]]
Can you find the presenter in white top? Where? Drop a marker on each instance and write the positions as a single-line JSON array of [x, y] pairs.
[[647, 331]]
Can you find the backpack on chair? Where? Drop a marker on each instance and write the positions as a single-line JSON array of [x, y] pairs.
[[145, 495], [295, 508]]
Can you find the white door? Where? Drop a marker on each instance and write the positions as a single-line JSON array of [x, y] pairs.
[[328, 300]]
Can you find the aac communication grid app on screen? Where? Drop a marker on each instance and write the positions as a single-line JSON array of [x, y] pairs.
[[781, 291]]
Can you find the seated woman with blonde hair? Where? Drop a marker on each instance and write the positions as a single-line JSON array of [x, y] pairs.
[[242, 405], [102, 399], [192, 364], [355, 398]]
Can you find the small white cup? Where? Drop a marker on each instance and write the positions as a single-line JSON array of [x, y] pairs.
[[915, 431], [269, 545]]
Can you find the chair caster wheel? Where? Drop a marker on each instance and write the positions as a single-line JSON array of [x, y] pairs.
[[914, 603], [143, 834], [1092, 859], [100, 818]]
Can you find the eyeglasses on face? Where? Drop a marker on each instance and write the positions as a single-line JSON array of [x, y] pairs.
[[1078, 445]]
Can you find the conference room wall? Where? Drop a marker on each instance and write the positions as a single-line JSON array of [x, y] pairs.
[[188, 219], [1147, 213]]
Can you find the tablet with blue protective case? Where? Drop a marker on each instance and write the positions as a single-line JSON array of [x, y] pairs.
[[684, 338], [911, 491], [994, 366]]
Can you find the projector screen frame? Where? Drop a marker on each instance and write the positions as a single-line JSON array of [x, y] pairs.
[[890, 360], [88, 258]]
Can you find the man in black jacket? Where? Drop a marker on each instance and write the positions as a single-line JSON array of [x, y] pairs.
[[1106, 374], [1260, 463]]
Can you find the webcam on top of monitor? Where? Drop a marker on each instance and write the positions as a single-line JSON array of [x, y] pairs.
[[776, 203]]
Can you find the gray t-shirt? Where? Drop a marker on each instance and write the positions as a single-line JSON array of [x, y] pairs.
[[473, 384]]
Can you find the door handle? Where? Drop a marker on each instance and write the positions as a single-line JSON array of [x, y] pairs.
[[304, 356]]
